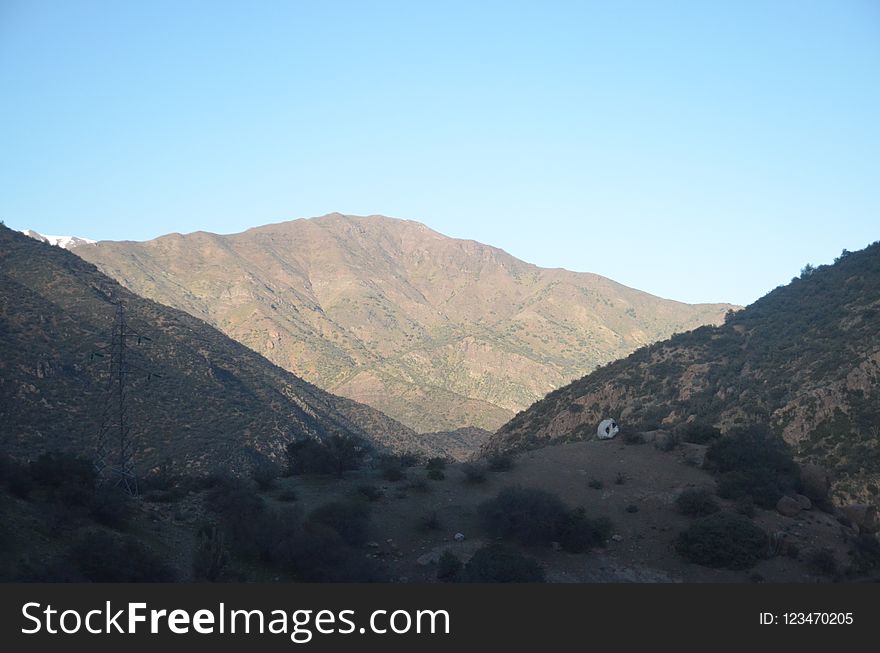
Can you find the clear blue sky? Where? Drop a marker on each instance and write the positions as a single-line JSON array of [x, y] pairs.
[[702, 151]]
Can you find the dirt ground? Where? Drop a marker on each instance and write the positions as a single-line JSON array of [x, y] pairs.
[[640, 550]]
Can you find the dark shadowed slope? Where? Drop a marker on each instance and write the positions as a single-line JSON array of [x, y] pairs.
[[215, 404]]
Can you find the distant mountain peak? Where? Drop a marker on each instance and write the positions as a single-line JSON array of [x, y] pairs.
[[64, 242], [438, 333]]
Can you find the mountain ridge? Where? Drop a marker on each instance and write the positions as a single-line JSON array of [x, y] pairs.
[[804, 360], [439, 333]]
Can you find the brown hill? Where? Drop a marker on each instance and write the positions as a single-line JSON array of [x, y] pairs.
[[436, 332], [804, 359], [216, 404]]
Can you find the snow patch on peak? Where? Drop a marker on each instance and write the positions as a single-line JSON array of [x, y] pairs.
[[64, 242]]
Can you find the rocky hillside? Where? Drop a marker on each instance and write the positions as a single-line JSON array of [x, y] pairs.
[[805, 359], [436, 332], [214, 404]]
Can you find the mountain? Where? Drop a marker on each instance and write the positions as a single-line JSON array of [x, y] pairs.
[[435, 332], [64, 242], [215, 403], [804, 359]]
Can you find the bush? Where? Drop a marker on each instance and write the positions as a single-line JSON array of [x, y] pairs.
[[696, 503], [287, 496], [722, 540], [438, 463], [104, 558], [54, 469], [753, 462], [349, 519], [265, 472], [620, 479], [499, 564], [745, 506], [577, 533], [436, 474], [865, 554], [239, 508], [370, 492], [596, 484], [632, 508], [210, 556], [500, 462], [527, 516], [474, 473], [449, 568], [420, 485], [530, 517], [336, 454], [112, 506], [823, 562], [699, 433], [632, 437]]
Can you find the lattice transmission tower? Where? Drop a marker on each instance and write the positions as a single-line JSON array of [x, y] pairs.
[[114, 449]]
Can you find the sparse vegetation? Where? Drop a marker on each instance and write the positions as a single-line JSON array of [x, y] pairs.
[[722, 540], [210, 556], [500, 462], [696, 503], [349, 519], [334, 455], [500, 564], [474, 472], [752, 462], [530, 517], [823, 561]]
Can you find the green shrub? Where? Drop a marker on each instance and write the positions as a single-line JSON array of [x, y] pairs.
[[449, 568], [745, 506], [474, 472], [527, 516], [500, 462], [632, 437], [632, 508], [210, 556], [112, 506], [101, 557], [436, 474], [287, 496], [696, 503], [620, 479], [349, 519], [530, 517], [438, 463], [753, 462], [865, 554], [823, 562], [370, 492], [722, 540], [499, 564], [265, 472], [336, 454], [577, 533], [699, 433], [596, 484]]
